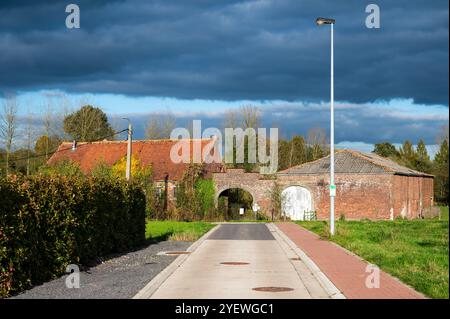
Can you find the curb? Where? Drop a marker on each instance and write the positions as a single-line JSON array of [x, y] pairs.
[[159, 279], [326, 283]]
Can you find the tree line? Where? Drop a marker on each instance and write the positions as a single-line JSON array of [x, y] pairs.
[[29, 144], [417, 158]]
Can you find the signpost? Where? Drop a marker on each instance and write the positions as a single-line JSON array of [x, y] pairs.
[[332, 190], [255, 208]]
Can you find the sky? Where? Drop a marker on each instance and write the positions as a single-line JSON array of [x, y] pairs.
[[199, 58]]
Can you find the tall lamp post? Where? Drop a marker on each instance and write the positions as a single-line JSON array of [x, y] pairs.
[[323, 21], [130, 137]]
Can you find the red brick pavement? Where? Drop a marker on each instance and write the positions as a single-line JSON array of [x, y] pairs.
[[346, 271]]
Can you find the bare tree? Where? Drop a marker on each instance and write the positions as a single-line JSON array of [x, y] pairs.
[[230, 119], [160, 126], [8, 123], [317, 140], [29, 135], [251, 116]]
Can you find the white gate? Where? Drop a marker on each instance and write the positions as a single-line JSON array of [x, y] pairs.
[[296, 200]]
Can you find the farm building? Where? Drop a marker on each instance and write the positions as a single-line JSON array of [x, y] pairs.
[[367, 185], [149, 153]]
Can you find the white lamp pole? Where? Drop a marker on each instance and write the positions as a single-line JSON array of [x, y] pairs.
[[322, 21]]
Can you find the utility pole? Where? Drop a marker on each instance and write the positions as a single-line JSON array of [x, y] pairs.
[[130, 138]]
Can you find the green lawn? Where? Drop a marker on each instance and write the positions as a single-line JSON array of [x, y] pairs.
[[415, 251], [444, 212], [173, 230]]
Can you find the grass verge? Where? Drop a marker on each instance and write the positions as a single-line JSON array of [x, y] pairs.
[[414, 251], [444, 212], [174, 230]]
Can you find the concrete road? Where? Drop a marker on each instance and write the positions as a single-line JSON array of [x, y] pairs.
[[264, 260]]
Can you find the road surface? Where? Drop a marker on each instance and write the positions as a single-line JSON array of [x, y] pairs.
[[242, 261]]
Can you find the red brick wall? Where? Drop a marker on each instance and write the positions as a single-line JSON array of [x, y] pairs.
[[411, 195], [357, 196], [373, 196]]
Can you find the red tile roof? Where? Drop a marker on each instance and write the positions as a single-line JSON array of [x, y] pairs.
[[149, 152]]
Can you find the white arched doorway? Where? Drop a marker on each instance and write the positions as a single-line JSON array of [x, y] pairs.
[[296, 200]]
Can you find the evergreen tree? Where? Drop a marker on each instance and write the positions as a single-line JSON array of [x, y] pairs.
[[441, 182], [423, 163], [407, 155], [386, 149]]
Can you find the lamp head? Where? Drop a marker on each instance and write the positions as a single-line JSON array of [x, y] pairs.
[[322, 21]]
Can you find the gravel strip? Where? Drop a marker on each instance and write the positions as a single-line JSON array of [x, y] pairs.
[[116, 278]]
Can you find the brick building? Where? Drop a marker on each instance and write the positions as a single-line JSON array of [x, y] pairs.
[[367, 185], [154, 153]]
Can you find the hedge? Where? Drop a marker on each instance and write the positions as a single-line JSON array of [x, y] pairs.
[[48, 222]]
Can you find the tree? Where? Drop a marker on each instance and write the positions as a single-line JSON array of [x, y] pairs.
[[8, 125], [251, 116], [298, 151], [88, 124], [46, 144], [407, 155], [423, 163], [160, 126], [29, 135], [317, 143], [440, 170], [385, 149], [283, 154], [276, 198], [246, 117]]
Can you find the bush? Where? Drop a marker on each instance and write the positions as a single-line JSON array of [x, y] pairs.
[[48, 222]]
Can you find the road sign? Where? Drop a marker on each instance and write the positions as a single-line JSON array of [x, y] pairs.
[[332, 190]]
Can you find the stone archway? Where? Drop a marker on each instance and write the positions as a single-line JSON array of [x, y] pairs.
[[235, 203], [223, 189], [254, 183]]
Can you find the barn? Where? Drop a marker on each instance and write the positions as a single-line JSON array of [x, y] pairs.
[[367, 186], [149, 153]]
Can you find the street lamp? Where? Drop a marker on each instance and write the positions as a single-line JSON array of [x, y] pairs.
[[319, 22]]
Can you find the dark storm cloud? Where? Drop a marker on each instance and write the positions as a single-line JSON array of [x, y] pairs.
[[228, 50]]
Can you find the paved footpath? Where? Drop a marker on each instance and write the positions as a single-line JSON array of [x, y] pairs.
[[264, 260], [345, 270]]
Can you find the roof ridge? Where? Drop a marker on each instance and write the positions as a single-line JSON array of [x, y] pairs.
[[142, 141], [367, 158], [314, 161]]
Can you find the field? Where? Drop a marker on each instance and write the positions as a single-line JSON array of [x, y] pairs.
[[173, 230], [416, 251]]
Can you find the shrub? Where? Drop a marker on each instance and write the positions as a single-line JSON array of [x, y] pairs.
[[65, 167], [195, 195], [50, 221]]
